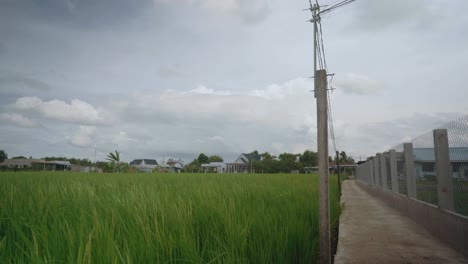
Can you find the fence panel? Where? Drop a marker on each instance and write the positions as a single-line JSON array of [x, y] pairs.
[[401, 175], [424, 164], [457, 132]]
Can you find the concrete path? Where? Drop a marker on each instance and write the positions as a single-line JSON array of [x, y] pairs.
[[372, 232]]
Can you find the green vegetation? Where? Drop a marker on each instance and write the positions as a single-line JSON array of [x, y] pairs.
[[3, 155], [160, 218], [268, 163], [427, 192]]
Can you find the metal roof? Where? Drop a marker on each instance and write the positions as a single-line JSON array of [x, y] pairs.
[[427, 154]]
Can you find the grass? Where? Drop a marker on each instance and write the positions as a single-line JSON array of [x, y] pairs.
[[427, 192], [160, 218]]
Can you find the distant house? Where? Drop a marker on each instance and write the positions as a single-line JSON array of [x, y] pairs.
[[218, 167], [171, 165], [243, 163], [175, 165], [247, 158], [36, 164], [145, 165], [424, 163]]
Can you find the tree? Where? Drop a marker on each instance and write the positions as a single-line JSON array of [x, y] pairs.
[[288, 163], [114, 157], [345, 158], [192, 166], [308, 158], [19, 157], [202, 158], [215, 158], [266, 156], [255, 152], [3, 155]]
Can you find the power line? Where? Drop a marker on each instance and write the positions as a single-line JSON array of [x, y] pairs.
[[330, 117], [319, 48], [322, 45], [335, 6]]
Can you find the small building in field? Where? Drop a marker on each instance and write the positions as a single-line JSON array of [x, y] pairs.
[[218, 167], [144, 165], [243, 164], [175, 165], [171, 165]]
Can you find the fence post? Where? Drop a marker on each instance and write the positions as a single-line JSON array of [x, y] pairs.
[[409, 170], [371, 171], [365, 172], [376, 170], [366, 168], [383, 170], [443, 172], [358, 173], [393, 170]]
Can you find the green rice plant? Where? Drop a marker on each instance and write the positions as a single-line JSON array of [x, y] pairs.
[[160, 218]]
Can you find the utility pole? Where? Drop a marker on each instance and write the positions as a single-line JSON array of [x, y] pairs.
[[322, 149], [321, 93]]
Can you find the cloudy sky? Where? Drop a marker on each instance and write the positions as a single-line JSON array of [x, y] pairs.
[[173, 78]]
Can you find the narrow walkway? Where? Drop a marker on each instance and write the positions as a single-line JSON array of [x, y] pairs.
[[372, 232]]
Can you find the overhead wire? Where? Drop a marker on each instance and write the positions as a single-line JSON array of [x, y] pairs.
[[321, 59], [321, 48], [335, 6]]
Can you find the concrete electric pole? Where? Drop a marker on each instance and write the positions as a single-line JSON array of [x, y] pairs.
[[321, 93]]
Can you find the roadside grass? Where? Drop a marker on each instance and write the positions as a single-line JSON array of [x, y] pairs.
[[427, 192], [160, 218]]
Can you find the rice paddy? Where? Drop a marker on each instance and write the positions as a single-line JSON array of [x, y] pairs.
[[63, 217]]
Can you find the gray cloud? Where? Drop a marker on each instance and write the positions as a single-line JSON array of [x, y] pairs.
[[381, 15], [357, 84], [17, 83], [179, 77], [78, 13]]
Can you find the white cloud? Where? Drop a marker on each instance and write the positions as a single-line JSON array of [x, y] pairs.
[[18, 119], [76, 111], [122, 139], [201, 89], [215, 122], [357, 84], [279, 105], [279, 91], [84, 137], [217, 139]]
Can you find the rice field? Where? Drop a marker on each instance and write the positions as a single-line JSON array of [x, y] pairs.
[[65, 217]]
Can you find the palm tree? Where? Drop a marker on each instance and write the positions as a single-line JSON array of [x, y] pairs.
[[114, 158]]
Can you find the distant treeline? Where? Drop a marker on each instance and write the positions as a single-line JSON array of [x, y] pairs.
[[284, 163]]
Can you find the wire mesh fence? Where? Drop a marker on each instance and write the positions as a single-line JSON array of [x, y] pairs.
[[432, 168], [424, 165], [401, 175], [457, 132]]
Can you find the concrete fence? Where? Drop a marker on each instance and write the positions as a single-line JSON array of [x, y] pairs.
[[426, 183]]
